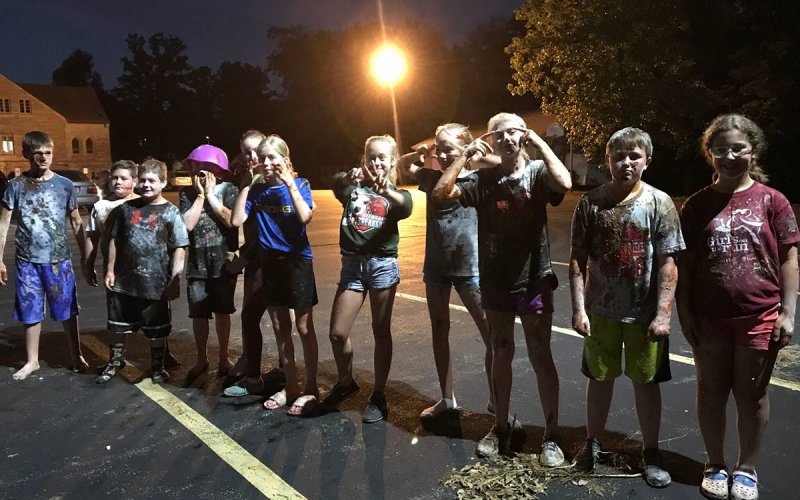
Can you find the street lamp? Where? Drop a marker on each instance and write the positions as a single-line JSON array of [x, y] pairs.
[[388, 68]]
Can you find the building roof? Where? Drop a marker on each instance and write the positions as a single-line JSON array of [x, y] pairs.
[[76, 104]]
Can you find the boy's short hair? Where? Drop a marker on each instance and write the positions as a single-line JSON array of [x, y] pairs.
[[457, 130], [124, 165], [504, 117], [34, 140], [630, 137], [252, 133], [153, 166]]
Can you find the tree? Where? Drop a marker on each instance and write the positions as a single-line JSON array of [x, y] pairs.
[[240, 100], [78, 70], [156, 92]]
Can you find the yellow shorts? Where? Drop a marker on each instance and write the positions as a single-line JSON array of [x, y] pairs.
[[645, 361]]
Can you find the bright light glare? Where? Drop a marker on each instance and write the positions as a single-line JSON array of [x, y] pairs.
[[388, 65]]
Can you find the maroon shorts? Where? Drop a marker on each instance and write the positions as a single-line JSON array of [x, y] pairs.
[[538, 300], [753, 332]]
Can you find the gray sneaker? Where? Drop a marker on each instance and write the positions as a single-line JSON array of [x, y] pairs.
[[654, 474], [489, 446], [551, 456]]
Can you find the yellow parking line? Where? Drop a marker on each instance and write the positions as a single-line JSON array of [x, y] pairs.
[[241, 460], [250, 468], [779, 382]]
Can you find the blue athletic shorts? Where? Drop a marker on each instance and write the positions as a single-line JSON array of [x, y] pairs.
[[34, 281], [364, 272]]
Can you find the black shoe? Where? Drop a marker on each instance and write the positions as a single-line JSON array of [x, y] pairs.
[[109, 372], [160, 376], [339, 393], [377, 409], [588, 456]]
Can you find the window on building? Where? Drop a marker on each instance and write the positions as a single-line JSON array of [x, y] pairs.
[[76, 147], [24, 105], [7, 143], [89, 146], [5, 106]]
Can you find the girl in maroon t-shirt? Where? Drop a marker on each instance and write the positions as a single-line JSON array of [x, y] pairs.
[[736, 296]]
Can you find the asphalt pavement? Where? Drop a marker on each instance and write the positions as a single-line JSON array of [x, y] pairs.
[[65, 437]]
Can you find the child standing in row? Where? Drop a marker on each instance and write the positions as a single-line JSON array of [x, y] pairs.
[[206, 207], [281, 207], [516, 277], [43, 200], [451, 258], [368, 238], [625, 235], [736, 296], [146, 253]]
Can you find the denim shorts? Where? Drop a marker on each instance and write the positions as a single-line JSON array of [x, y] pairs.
[[35, 282], [364, 272], [457, 282]]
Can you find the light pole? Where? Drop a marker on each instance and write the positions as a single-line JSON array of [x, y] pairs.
[[388, 68]]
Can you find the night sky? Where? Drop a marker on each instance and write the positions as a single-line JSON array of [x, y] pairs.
[[38, 34]]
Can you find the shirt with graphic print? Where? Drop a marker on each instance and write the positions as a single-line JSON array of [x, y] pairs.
[[623, 241], [210, 240], [514, 248], [451, 237], [735, 239], [145, 236], [279, 228], [369, 220], [42, 207]]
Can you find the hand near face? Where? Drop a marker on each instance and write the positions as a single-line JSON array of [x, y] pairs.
[[210, 183], [285, 174], [478, 147], [375, 176], [198, 184], [356, 175]]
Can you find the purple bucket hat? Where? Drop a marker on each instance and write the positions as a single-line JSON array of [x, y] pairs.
[[207, 154]]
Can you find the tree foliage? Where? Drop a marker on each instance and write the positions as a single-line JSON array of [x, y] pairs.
[[668, 67], [78, 70]]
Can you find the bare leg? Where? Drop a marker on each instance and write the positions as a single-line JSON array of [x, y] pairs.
[[537, 330], [750, 390], [70, 326], [439, 311], [599, 394], [381, 302], [200, 330], [714, 365], [222, 322], [501, 328], [346, 305], [648, 409], [472, 301], [282, 325], [32, 333], [308, 336]]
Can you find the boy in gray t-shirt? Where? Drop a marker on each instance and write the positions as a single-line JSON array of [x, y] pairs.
[[622, 277], [42, 200]]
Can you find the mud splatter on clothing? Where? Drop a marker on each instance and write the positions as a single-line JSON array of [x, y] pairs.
[[451, 237], [514, 248], [42, 208], [209, 241], [279, 230], [622, 242], [735, 238], [145, 236]]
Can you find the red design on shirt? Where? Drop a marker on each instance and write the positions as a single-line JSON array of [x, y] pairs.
[[136, 216], [368, 211], [152, 221]]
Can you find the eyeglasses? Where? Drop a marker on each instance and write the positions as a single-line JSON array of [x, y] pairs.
[[736, 150]]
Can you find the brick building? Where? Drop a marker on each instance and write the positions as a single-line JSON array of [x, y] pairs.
[[72, 116]]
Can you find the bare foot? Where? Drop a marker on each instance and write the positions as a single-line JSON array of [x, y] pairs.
[[26, 370], [437, 409]]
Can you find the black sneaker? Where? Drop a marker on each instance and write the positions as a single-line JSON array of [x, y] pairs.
[[160, 376], [588, 456], [377, 409], [339, 393]]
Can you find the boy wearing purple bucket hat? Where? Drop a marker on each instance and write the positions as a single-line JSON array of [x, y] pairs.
[[206, 208]]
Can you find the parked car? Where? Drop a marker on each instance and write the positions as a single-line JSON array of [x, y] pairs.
[[179, 179], [86, 191]]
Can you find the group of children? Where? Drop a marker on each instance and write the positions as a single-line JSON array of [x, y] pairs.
[[486, 237]]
